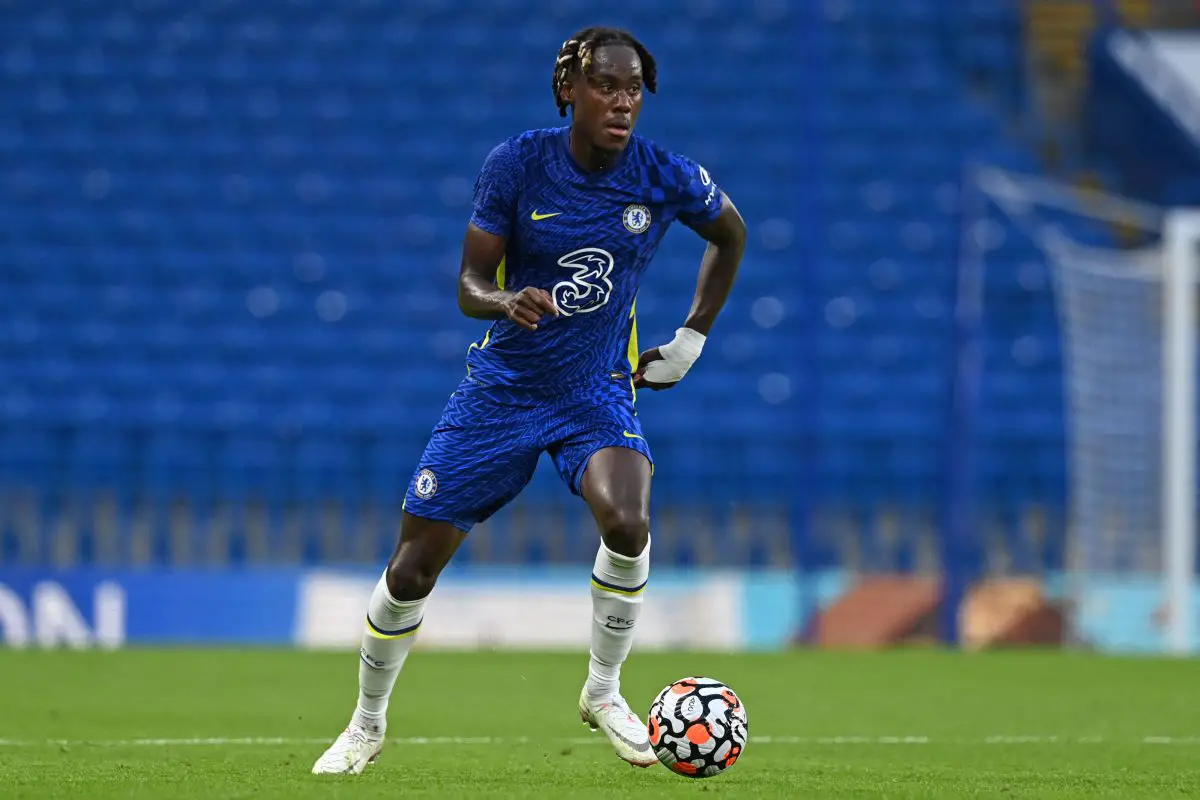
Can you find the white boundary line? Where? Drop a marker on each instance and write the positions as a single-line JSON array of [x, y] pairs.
[[267, 741]]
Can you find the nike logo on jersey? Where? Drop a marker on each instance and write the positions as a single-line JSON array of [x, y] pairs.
[[629, 435], [536, 216]]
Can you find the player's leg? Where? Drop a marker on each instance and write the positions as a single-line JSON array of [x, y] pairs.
[[396, 609], [394, 616], [603, 457], [616, 487], [472, 466]]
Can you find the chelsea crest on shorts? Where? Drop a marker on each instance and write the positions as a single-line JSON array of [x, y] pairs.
[[426, 484]]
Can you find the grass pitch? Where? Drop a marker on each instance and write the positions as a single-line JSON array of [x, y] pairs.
[[238, 724]]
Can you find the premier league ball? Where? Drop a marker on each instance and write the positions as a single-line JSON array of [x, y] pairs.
[[698, 727]]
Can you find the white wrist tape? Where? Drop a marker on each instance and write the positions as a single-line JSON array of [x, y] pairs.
[[678, 355]]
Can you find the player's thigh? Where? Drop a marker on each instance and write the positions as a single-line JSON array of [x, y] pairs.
[[584, 429], [616, 487], [478, 459], [605, 458]]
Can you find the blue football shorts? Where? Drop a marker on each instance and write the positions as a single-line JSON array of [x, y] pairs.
[[484, 449]]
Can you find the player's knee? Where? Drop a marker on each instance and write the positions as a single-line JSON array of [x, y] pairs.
[[625, 530], [409, 579]]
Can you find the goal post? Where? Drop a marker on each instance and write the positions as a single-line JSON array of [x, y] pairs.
[[1128, 327], [1181, 250]]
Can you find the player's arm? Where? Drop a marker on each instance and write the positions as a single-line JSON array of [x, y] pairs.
[[478, 295], [662, 367], [493, 218], [726, 237]]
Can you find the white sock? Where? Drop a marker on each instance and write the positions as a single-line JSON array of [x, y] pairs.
[[617, 585], [391, 630]]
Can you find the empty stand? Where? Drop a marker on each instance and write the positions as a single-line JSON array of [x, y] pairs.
[[229, 238]]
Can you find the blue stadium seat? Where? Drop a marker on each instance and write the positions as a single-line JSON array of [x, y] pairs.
[[230, 238]]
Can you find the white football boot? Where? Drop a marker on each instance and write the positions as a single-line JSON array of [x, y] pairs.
[[624, 730], [350, 753]]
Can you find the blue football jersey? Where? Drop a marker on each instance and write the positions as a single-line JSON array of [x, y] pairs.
[[585, 238]]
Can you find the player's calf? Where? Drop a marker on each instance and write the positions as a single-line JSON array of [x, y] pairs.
[[389, 635], [618, 583], [394, 616], [616, 485], [617, 586]]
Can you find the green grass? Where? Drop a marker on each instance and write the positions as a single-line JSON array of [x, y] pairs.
[[91, 704]]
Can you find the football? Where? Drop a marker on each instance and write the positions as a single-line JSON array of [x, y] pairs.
[[698, 727]]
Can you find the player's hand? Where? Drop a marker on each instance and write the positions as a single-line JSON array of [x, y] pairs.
[[528, 306], [639, 375], [664, 366]]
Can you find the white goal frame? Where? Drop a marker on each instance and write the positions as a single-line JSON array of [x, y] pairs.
[[1180, 253]]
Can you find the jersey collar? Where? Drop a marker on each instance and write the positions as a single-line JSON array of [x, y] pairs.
[[602, 176]]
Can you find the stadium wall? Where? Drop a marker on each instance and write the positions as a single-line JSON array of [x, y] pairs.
[[474, 608]]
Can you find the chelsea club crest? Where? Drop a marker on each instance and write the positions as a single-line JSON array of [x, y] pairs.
[[636, 218], [426, 484]]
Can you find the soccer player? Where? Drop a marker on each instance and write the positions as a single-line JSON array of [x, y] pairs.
[[565, 221]]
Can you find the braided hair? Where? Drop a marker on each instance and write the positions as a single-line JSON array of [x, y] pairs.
[[576, 55]]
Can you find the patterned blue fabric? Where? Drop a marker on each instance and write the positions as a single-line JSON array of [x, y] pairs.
[[586, 238], [484, 449]]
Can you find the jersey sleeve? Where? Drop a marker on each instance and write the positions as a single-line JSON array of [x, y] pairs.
[[698, 196], [496, 190]]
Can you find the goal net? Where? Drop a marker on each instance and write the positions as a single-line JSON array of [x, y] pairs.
[[1127, 317]]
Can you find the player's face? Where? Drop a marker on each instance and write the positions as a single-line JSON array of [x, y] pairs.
[[610, 98]]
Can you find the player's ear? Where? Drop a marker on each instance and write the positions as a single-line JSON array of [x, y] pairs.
[[567, 92]]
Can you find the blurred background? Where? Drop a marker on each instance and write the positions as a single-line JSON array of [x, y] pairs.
[[229, 239]]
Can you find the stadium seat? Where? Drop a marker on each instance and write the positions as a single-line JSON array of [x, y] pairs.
[[232, 272]]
